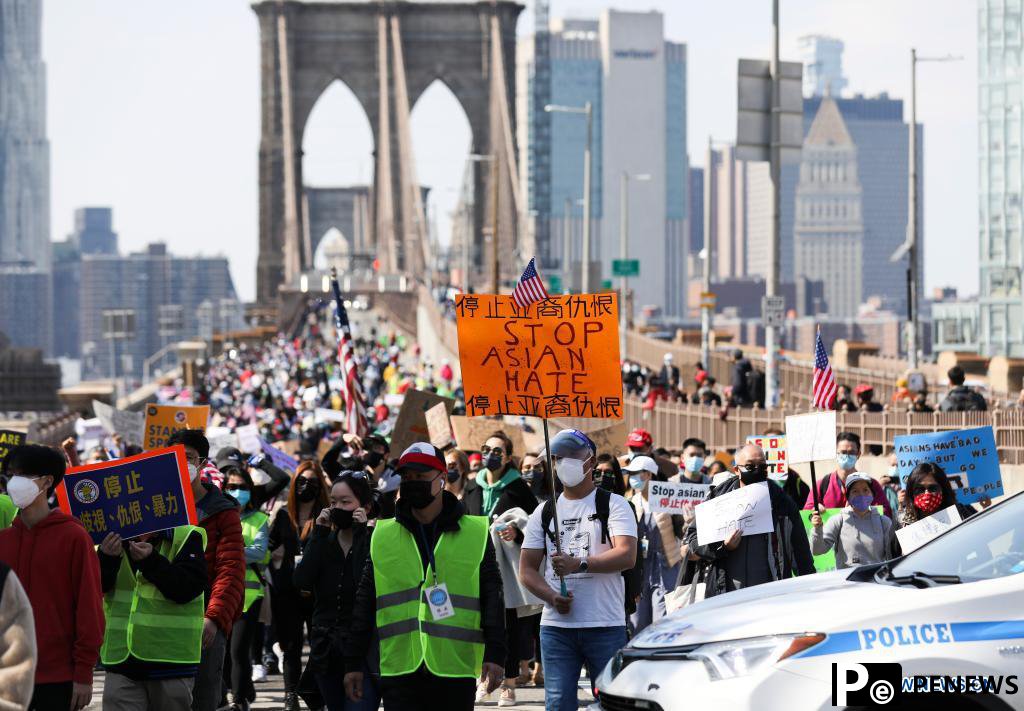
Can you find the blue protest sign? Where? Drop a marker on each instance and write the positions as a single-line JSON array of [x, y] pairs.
[[279, 458], [132, 496], [968, 457]]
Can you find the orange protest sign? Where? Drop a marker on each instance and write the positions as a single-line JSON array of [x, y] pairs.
[[164, 420], [556, 358]]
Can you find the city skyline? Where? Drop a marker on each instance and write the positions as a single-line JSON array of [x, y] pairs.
[[190, 96]]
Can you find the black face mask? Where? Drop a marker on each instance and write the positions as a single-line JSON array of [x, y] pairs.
[[341, 518], [418, 493], [607, 482], [493, 461], [453, 476], [757, 474], [307, 489], [373, 459]]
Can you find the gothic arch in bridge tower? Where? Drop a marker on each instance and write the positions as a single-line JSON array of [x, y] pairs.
[[387, 53]]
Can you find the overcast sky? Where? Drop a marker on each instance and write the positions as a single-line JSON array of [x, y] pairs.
[[154, 111]]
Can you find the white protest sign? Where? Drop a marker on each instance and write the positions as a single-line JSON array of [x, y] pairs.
[[322, 414], [219, 438], [748, 508], [123, 422], [811, 437], [249, 439], [671, 497], [920, 532]]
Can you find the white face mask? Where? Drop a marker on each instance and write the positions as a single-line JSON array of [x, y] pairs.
[[193, 471], [570, 471], [22, 490]]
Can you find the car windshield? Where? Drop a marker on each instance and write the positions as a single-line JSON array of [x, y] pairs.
[[989, 545]]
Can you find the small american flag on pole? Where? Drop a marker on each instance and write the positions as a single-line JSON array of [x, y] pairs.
[[823, 393], [530, 288]]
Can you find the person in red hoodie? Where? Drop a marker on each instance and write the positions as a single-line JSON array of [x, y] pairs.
[[225, 569], [54, 559]]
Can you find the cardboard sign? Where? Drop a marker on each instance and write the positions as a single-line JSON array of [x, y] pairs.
[[131, 497], [811, 437], [123, 422], [411, 425], [279, 458], [748, 508], [322, 415], [164, 420], [471, 433], [248, 438], [920, 532], [674, 497], [968, 457], [9, 439], [609, 440], [827, 560], [438, 427], [220, 438], [555, 358], [774, 448]]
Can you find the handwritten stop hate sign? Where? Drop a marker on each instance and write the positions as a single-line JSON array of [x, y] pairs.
[[556, 358]]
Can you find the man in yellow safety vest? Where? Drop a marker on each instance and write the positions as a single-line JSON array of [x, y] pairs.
[[431, 591], [153, 604]]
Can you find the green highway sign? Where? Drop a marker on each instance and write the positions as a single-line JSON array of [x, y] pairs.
[[625, 267], [606, 283], [555, 284]]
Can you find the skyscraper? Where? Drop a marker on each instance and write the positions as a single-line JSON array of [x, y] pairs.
[[24, 150], [822, 58], [94, 233], [1000, 178], [630, 74], [829, 231]]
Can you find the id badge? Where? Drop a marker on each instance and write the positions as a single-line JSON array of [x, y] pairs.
[[644, 546], [439, 601]]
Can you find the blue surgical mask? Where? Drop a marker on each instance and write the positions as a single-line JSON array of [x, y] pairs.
[[861, 502], [241, 496], [846, 461], [637, 482], [694, 464]]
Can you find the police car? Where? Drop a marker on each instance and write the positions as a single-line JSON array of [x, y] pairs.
[[946, 620]]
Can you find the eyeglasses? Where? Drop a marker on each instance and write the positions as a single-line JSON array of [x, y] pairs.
[[931, 489], [351, 474], [487, 450]]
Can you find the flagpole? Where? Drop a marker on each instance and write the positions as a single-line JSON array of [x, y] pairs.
[[814, 477], [554, 499]]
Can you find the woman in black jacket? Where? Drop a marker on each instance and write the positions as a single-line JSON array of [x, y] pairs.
[[330, 569], [928, 490], [290, 530]]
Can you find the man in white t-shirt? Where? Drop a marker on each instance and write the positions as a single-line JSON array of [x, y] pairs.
[[584, 621]]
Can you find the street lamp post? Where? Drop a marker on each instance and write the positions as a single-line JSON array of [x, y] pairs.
[[910, 246], [624, 253], [771, 285], [587, 111]]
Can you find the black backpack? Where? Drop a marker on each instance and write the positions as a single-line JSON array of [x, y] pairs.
[[632, 577]]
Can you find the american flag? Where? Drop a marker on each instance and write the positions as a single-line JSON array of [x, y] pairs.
[[823, 393], [530, 288], [355, 417]]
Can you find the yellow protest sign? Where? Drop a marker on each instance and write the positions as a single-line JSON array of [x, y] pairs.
[[774, 448], [164, 420], [556, 358]]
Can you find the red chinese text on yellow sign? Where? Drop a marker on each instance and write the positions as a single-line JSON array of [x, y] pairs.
[[556, 358]]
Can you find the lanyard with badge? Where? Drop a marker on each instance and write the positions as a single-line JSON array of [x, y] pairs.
[[438, 600]]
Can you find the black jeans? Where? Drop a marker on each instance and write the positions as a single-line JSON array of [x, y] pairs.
[[48, 697], [239, 677], [422, 691], [511, 643], [291, 614]]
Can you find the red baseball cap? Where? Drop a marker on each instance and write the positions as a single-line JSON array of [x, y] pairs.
[[421, 457], [863, 388], [639, 438], [475, 457]]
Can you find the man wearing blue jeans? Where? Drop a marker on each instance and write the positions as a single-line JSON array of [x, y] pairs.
[[584, 622]]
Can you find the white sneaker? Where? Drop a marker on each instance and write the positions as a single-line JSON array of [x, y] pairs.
[[481, 692], [508, 697], [259, 673], [279, 653]]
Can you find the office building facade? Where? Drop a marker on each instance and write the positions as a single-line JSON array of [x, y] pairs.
[[636, 84], [822, 58], [94, 232]]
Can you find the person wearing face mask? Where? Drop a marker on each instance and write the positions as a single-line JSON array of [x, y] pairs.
[[499, 486], [292, 527], [534, 471], [255, 535], [582, 586], [458, 465], [890, 482], [432, 562], [54, 559], [658, 537], [330, 569], [225, 568], [269, 480], [859, 534], [692, 463], [743, 561], [832, 486], [928, 490]]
